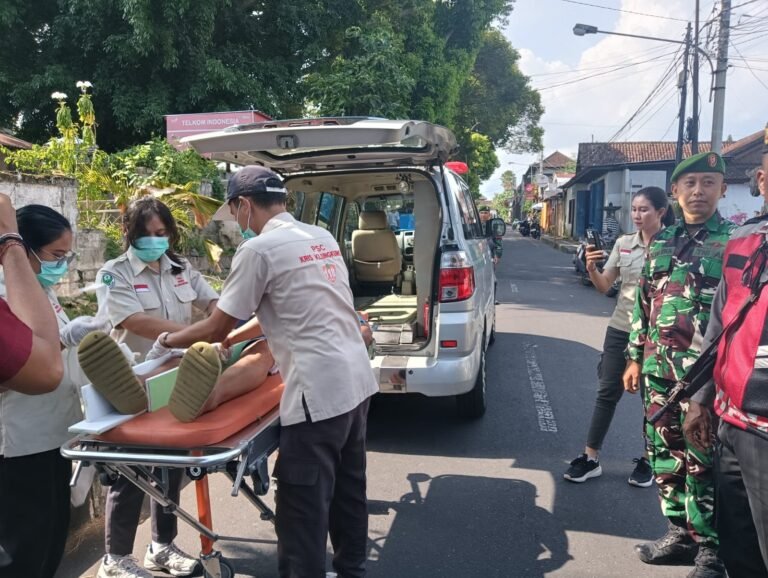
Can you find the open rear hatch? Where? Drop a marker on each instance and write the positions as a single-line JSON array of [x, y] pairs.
[[328, 143]]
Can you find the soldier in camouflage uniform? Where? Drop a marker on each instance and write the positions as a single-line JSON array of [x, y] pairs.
[[674, 297]]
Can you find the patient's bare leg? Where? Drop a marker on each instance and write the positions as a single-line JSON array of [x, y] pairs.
[[245, 375], [201, 385]]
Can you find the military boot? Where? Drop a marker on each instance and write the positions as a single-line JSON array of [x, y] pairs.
[[708, 565], [674, 547]]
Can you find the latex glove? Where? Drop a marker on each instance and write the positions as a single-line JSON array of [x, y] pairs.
[[73, 332], [159, 350], [225, 353]]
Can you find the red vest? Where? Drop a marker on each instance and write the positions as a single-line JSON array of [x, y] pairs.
[[742, 396]]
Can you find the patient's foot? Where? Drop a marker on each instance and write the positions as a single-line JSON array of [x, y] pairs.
[[110, 373], [199, 371]]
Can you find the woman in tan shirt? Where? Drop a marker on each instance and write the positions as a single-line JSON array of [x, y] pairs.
[[649, 209]]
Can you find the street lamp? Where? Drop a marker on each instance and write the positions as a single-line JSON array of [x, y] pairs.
[[583, 29]]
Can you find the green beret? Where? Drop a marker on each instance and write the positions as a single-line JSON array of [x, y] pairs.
[[483, 208], [700, 163]]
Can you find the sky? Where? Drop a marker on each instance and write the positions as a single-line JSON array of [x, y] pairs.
[[592, 85]]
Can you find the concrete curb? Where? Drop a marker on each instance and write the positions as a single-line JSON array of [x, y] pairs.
[[564, 245]]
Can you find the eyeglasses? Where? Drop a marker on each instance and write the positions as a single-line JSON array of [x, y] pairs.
[[67, 258]]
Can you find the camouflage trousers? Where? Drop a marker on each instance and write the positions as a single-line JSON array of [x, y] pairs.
[[683, 474]]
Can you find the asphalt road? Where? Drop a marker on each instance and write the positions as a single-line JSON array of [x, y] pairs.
[[452, 498]]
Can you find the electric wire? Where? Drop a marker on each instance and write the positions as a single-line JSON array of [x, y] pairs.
[[750, 68], [654, 91], [603, 73], [624, 11]]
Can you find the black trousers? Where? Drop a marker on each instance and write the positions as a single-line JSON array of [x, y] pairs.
[[321, 487], [742, 502], [34, 513], [124, 502], [610, 386]]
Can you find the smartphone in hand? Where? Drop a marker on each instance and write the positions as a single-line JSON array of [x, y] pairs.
[[594, 239]]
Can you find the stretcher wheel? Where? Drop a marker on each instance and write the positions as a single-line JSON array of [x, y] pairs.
[[196, 473], [226, 570], [107, 479]]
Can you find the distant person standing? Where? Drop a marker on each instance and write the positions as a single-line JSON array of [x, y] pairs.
[[611, 227], [496, 244]]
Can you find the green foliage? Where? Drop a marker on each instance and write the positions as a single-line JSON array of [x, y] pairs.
[[440, 61], [527, 207], [112, 181], [482, 162], [498, 100], [82, 304], [508, 180], [372, 81], [501, 203]]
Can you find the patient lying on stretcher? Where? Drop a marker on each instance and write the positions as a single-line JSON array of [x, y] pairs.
[[209, 374]]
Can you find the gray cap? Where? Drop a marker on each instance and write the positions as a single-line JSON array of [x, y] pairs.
[[249, 181]]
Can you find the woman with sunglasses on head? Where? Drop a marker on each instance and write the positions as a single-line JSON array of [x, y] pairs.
[[34, 478], [150, 291]]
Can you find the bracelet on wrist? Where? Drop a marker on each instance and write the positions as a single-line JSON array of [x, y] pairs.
[[8, 244], [164, 339], [9, 237]]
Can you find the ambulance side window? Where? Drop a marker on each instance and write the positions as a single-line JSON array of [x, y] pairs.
[[351, 221], [329, 211], [295, 204]]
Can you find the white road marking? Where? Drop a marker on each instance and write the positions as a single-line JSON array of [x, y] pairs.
[[513, 287], [546, 416]]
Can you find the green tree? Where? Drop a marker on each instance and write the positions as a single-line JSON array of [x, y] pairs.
[[508, 180], [149, 58], [501, 203], [482, 162], [371, 79], [498, 99]]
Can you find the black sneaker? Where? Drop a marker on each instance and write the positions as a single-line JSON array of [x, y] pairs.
[[708, 565], [582, 468], [673, 548], [642, 475]]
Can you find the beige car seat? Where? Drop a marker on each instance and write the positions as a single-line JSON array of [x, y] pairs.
[[375, 253]]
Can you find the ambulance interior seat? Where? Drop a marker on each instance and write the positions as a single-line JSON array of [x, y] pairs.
[[376, 254]]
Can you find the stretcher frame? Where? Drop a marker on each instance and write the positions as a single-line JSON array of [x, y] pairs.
[[244, 454]]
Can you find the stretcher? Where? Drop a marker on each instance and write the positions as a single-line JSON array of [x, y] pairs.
[[236, 439]]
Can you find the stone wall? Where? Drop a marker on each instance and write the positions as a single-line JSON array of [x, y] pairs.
[[60, 194]]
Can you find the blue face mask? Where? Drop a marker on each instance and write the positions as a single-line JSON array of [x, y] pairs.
[[51, 272], [150, 249], [247, 233]]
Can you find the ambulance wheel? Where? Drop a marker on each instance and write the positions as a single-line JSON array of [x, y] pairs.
[[196, 473], [226, 570], [472, 404]]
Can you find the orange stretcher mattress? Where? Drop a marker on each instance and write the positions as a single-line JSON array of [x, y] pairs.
[[160, 429]]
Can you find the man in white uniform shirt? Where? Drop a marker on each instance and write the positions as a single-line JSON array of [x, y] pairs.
[[293, 277]]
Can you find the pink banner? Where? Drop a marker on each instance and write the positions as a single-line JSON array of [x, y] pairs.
[[181, 125]]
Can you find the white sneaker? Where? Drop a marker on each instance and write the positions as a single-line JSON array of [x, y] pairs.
[[121, 567], [171, 559]]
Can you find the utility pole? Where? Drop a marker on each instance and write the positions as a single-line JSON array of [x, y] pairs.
[[718, 111], [683, 84], [695, 127]]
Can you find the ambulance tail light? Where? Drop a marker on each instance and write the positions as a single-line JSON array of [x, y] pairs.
[[457, 277]]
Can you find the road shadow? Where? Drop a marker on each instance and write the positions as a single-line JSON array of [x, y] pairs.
[[511, 430], [468, 526]]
